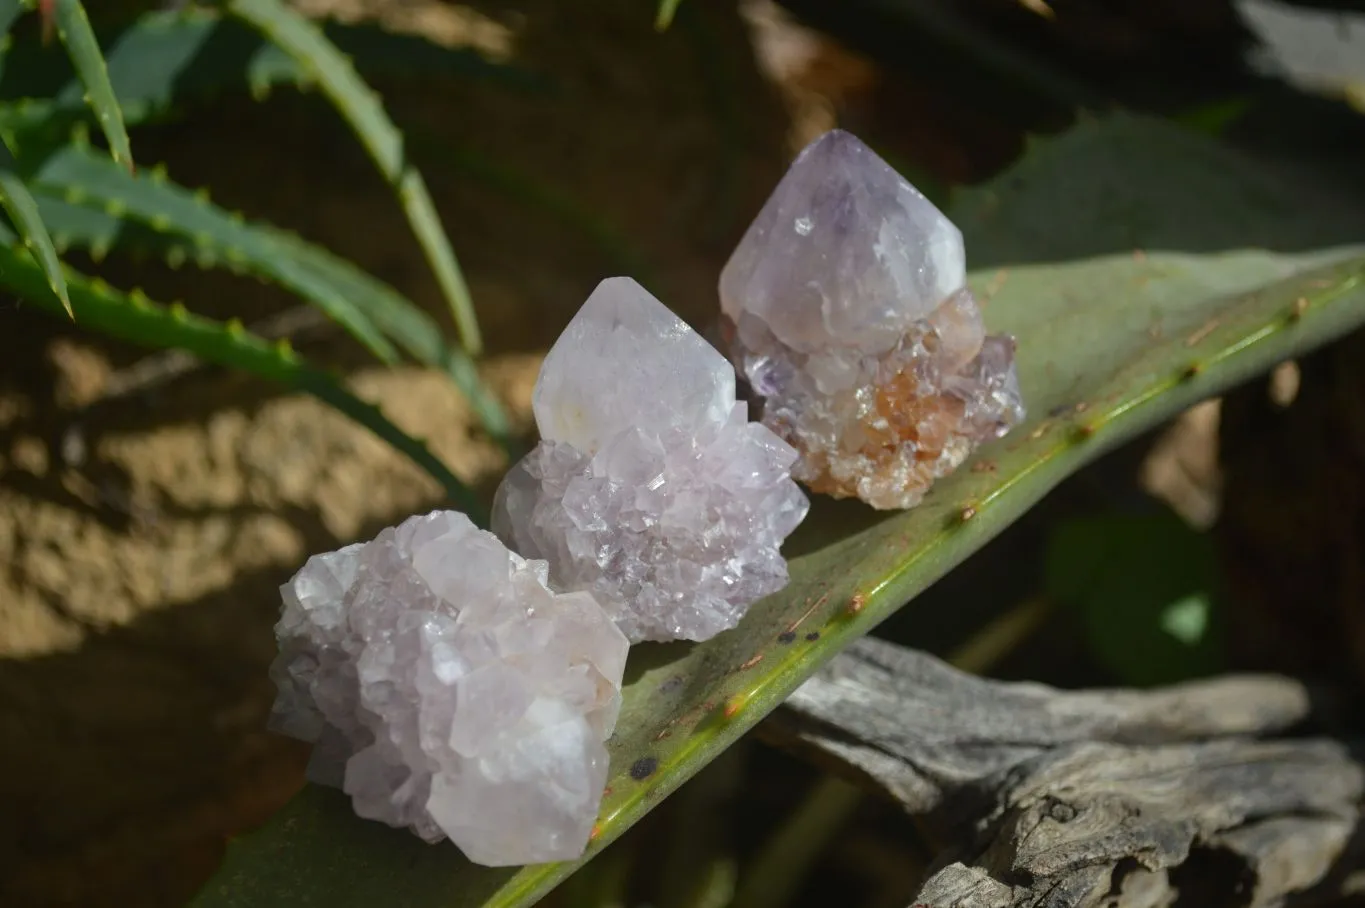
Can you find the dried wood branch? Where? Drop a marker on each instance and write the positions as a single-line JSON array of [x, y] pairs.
[[1116, 798]]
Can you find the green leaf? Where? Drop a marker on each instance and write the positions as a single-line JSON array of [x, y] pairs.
[[76, 174], [1110, 344], [73, 27], [90, 202], [133, 317], [165, 58], [23, 212], [361, 108], [1145, 589], [667, 10], [18, 202]]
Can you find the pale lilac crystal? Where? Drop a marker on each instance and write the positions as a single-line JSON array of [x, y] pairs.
[[650, 488], [448, 690], [845, 308]]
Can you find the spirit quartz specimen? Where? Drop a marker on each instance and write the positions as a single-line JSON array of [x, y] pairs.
[[845, 307], [650, 488], [448, 690]]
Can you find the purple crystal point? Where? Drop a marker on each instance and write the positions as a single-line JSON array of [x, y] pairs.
[[848, 313]]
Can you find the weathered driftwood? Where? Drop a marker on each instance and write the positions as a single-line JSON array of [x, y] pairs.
[[1040, 797]]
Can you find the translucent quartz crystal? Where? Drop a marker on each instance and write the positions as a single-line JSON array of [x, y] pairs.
[[846, 309], [650, 488], [448, 690]]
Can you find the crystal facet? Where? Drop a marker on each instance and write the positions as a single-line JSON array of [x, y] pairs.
[[448, 690], [845, 307], [650, 488]]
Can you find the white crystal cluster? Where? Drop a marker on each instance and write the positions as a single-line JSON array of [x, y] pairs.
[[449, 690], [846, 309], [650, 488]]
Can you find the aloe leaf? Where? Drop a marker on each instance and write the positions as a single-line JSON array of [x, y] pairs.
[[73, 27], [135, 318], [90, 202], [18, 202], [23, 212], [169, 57], [1111, 343], [361, 108], [80, 176]]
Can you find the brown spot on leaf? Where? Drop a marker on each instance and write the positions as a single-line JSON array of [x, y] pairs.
[[643, 768], [1202, 332]]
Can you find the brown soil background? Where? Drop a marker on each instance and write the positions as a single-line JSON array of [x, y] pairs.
[[143, 536]]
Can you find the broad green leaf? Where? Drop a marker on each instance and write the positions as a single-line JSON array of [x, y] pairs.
[[32, 233], [360, 107], [168, 58], [87, 201], [1110, 344], [133, 317], [1145, 587], [73, 27]]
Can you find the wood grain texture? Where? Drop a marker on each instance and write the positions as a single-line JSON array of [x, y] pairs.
[[1116, 798]]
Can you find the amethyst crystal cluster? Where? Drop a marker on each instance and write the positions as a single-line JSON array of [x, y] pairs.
[[462, 684], [449, 690], [650, 488], [846, 309]]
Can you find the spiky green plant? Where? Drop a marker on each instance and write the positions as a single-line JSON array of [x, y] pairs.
[[60, 191]]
